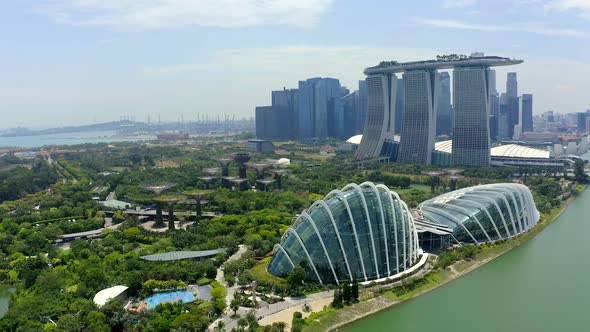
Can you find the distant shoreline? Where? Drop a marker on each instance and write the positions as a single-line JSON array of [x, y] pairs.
[[334, 320]]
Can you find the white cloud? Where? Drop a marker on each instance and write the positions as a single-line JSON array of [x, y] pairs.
[[528, 28], [284, 65], [458, 3], [155, 14], [581, 7], [235, 81]]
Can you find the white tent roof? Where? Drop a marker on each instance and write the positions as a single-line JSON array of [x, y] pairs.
[[356, 139], [102, 297], [505, 151], [283, 161], [519, 151]]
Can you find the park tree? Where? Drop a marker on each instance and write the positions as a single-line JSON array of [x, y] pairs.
[[579, 170], [354, 290], [295, 279], [118, 217], [242, 324], [234, 305], [97, 322], [346, 294], [337, 302]]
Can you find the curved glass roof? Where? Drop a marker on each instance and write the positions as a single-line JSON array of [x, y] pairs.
[[484, 213], [362, 231]]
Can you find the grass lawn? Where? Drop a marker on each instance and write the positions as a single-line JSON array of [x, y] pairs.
[[203, 281], [259, 271], [420, 187]]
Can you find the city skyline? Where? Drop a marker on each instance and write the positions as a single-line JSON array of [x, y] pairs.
[[69, 62]]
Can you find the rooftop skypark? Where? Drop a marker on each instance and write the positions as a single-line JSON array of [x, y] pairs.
[[441, 62]]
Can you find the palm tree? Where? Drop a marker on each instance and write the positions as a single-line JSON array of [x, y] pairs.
[[281, 326], [242, 324]]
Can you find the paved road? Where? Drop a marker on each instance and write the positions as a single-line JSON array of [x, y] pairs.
[[220, 277], [112, 196]]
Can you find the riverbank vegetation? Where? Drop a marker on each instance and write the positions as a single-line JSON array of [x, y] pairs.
[[56, 286], [449, 266]]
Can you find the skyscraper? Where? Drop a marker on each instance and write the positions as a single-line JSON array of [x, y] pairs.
[[503, 119], [511, 85], [471, 100], [349, 111], [444, 117], [306, 105], [327, 107], [527, 113], [419, 116], [494, 106], [264, 122], [421, 92], [285, 107], [582, 121], [399, 106], [381, 96], [361, 113], [512, 102]]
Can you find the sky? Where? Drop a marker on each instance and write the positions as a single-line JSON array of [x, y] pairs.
[[70, 62]]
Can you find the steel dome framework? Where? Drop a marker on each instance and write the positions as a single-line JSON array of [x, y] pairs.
[[362, 231], [484, 213]]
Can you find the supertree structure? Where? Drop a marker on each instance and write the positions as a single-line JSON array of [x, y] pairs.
[[241, 159], [434, 179], [260, 169], [197, 197], [170, 201], [157, 189]]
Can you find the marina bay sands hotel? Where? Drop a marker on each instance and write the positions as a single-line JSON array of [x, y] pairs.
[[471, 102]]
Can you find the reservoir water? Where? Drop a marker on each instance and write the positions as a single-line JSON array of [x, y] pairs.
[[543, 285], [64, 139]]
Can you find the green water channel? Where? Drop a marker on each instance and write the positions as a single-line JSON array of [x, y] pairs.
[[5, 293], [543, 285]]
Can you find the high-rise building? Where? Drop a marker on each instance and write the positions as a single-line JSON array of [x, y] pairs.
[[582, 121], [527, 113], [381, 96], [420, 101], [444, 117], [494, 116], [265, 128], [326, 106], [306, 105], [511, 85], [503, 119], [279, 121], [494, 106], [361, 113], [471, 100], [399, 106], [512, 102], [419, 116], [285, 106], [349, 110], [492, 80]]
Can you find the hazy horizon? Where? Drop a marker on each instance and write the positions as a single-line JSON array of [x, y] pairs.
[[71, 62]]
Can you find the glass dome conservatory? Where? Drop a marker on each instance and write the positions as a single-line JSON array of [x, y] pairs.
[[484, 213], [362, 231]]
